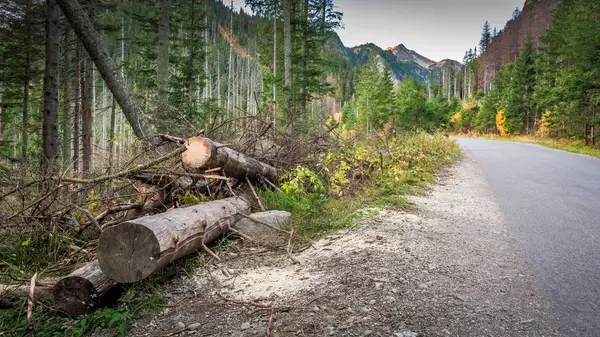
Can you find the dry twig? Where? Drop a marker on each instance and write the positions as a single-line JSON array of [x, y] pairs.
[[255, 195]]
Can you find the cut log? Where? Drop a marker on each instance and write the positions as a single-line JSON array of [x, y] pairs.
[[133, 250], [84, 289], [205, 154], [43, 291]]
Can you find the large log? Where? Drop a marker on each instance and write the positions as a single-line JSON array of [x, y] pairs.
[[84, 289], [205, 154], [133, 250]]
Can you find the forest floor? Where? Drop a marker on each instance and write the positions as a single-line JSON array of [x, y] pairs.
[[449, 267]]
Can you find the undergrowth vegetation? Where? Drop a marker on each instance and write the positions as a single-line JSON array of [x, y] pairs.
[[332, 190], [362, 172]]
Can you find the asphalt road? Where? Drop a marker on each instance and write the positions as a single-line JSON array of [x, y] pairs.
[[551, 200]]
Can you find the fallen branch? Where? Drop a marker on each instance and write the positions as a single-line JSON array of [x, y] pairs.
[[255, 195], [126, 172], [30, 299]]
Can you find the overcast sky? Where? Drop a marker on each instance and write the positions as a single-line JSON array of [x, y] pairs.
[[437, 29]]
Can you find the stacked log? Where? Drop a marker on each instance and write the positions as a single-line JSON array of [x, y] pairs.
[[133, 250]]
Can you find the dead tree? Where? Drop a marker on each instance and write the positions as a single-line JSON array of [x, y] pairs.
[[84, 28]]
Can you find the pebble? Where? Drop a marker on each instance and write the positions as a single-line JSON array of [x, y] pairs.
[[245, 326], [316, 309], [372, 302], [194, 326], [368, 332], [378, 285], [180, 325]]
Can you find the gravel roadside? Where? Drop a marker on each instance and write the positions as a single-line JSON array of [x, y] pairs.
[[450, 268]]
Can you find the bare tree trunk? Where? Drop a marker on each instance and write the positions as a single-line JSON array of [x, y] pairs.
[[275, 112], [87, 116], [83, 27], [50, 143], [111, 136], [304, 93], [66, 90], [77, 111], [25, 126], [163, 53], [230, 70], [287, 55]]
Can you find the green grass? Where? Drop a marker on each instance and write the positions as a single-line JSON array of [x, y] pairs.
[[316, 213]]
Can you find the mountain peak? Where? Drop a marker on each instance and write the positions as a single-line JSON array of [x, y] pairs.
[[404, 54]]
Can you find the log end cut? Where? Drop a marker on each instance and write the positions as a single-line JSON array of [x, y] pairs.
[[197, 154], [75, 296], [128, 252], [83, 290]]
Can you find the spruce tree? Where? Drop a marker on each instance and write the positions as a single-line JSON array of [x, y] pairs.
[[486, 37]]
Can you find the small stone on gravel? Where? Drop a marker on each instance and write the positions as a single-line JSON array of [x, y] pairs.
[[245, 326], [180, 325]]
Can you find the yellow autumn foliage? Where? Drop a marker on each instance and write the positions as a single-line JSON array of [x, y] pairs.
[[501, 123], [544, 125], [456, 118], [468, 106]]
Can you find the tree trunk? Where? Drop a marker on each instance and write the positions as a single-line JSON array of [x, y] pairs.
[[87, 116], [230, 69], [77, 111], [111, 136], [204, 154], [135, 249], [66, 98], [84, 28], [25, 124], [84, 289], [304, 93], [163, 53], [275, 112], [50, 144], [287, 58]]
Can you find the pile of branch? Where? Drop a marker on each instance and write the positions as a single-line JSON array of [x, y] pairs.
[[134, 249]]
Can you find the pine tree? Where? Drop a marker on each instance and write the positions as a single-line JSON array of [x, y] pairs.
[[516, 13], [486, 37]]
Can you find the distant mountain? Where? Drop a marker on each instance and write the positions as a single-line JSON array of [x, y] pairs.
[[403, 62], [404, 54]]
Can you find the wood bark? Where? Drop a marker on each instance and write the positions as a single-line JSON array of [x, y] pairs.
[[163, 53], [27, 79], [87, 114], [77, 112], [66, 98], [135, 249], [84, 29], [287, 62], [275, 111], [205, 154], [50, 118], [111, 136], [43, 291], [83, 290]]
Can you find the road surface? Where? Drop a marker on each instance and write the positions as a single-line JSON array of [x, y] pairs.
[[551, 200]]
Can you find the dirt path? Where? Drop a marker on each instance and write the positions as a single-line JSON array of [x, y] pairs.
[[451, 269]]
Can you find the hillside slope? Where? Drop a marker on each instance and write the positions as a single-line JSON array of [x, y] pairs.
[[533, 22]]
